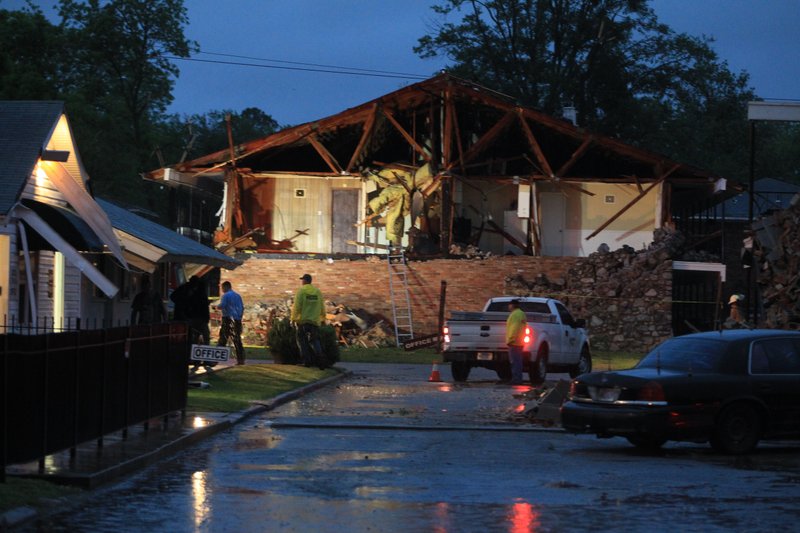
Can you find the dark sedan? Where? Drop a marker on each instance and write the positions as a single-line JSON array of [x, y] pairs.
[[731, 388]]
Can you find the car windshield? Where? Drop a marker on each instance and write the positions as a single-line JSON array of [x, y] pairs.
[[685, 354], [528, 307]]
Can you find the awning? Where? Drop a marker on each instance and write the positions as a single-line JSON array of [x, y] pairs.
[[70, 253], [84, 205], [146, 243], [70, 226]]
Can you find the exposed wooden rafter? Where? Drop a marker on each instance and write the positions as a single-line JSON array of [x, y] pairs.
[[575, 156], [323, 152], [365, 136], [486, 139], [409, 139], [534, 144]]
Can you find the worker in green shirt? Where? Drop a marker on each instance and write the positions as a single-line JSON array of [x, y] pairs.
[[308, 312], [515, 339]]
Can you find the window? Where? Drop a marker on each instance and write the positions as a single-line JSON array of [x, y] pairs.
[[775, 356], [686, 355], [566, 317], [528, 307]]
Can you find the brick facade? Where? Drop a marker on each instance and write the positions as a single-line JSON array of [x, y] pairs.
[[364, 283]]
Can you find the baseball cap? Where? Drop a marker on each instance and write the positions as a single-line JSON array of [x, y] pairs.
[[306, 277]]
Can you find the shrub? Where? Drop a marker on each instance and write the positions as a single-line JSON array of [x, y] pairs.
[[329, 342], [282, 342]]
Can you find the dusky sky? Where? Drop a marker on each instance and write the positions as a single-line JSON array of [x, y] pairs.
[[760, 37]]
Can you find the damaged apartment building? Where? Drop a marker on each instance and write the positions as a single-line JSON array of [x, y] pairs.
[[433, 168]]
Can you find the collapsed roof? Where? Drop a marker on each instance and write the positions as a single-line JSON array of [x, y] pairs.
[[463, 129]]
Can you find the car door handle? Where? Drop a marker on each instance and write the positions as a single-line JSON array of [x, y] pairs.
[[484, 334], [765, 388]]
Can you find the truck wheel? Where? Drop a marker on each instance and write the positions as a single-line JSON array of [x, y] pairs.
[[584, 365], [538, 369], [503, 369], [460, 370]]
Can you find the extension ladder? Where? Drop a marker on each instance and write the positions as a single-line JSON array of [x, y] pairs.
[[401, 300]]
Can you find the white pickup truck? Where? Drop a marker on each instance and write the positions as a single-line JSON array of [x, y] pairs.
[[557, 342]]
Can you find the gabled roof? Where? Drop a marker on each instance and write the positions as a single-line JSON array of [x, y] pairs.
[[25, 127], [475, 127], [176, 248]]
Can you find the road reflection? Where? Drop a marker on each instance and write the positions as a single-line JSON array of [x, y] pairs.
[[524, 518], [200, 498]]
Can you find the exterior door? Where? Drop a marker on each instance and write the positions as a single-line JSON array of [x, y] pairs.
[[344, 215], [552, 219]]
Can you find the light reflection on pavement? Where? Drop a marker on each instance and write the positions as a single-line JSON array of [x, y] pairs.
[[493, 474]]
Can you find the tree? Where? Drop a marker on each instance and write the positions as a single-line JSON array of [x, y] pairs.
[[626, 74], [120, 81], [31, 71], [187, 137]]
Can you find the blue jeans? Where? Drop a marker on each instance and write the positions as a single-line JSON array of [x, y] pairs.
[[515, 357]]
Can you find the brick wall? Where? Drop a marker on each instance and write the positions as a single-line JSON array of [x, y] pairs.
[[365, 283]]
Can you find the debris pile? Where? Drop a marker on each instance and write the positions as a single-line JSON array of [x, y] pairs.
[[354, 327], [469, 251], [776, 253], [623, 294]]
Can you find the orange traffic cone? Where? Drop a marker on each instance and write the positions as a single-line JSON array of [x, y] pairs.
[[435, 377]]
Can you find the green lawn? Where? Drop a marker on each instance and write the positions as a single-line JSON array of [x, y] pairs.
[[233, 388], [17, 492], [613, 360]]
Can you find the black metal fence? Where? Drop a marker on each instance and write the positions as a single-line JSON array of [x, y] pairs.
[[46, 324], [63, 389]]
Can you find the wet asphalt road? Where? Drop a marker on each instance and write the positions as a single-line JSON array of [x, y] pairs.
[[385, 450]]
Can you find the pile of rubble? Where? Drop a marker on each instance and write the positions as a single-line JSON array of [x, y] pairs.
[[776, 252], [624, 294], [354, 327], [469, 251]]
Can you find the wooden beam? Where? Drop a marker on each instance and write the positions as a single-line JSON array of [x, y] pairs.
[[70, 253], [409, 139], [457, 134], [365, 136], [323, 152], [447, 134], [534, 144], [632, 202], [575, 156], [486, 139]]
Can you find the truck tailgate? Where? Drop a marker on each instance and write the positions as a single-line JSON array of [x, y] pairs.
[[477, 336]]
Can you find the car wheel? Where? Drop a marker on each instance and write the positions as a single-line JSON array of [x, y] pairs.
[[584, 365], [538, 369], [503, 369], [460, 370], [646, 442], [737, 430]]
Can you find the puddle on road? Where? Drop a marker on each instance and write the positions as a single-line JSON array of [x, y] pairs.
[[354, 461]]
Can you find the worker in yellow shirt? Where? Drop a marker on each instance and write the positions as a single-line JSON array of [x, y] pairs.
[[515, 339], [308, 312]]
